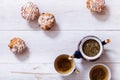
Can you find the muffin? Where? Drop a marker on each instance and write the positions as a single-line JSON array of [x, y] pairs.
[[46, 21], [30, 11], [17, 45], [96, 5]]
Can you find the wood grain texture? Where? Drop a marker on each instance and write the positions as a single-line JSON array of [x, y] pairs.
[[41, 71], [69, 14], [43, 47]]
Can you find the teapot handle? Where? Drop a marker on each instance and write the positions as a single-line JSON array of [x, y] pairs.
[[106, 41]]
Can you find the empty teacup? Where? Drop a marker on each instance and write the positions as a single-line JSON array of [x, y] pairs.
[[90, 48], [99, 72], [63, 65]]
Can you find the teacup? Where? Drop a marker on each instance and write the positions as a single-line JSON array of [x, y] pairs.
[[90, 48], [63, 65], [99, 72]]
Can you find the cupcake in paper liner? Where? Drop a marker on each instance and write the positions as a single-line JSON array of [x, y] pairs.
[[46, 21], [96, 5], [17, 45], [30, 11]]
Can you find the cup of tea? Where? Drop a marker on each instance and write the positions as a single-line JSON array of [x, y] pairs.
[[63, 65], [100, 72], [90, 48]]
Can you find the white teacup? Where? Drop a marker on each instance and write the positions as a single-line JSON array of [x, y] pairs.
[[63, 65], [98, 71]]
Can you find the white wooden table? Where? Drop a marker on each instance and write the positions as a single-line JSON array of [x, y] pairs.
[[74, 21]]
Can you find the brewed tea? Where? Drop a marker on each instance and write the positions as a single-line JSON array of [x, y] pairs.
[[91, 48]]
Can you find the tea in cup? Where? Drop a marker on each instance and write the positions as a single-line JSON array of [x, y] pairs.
[[63, 65], [99, 72]]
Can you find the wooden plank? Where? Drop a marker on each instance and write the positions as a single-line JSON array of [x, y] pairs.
[[69, 14], [46, 71], [43, 47]]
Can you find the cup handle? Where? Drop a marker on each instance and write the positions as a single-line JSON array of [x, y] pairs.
[[106, 41], [76, 70]]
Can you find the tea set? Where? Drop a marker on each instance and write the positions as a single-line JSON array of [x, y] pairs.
[[90, 49]]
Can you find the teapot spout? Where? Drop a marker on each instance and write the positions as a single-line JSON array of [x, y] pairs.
[[77, 54]]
